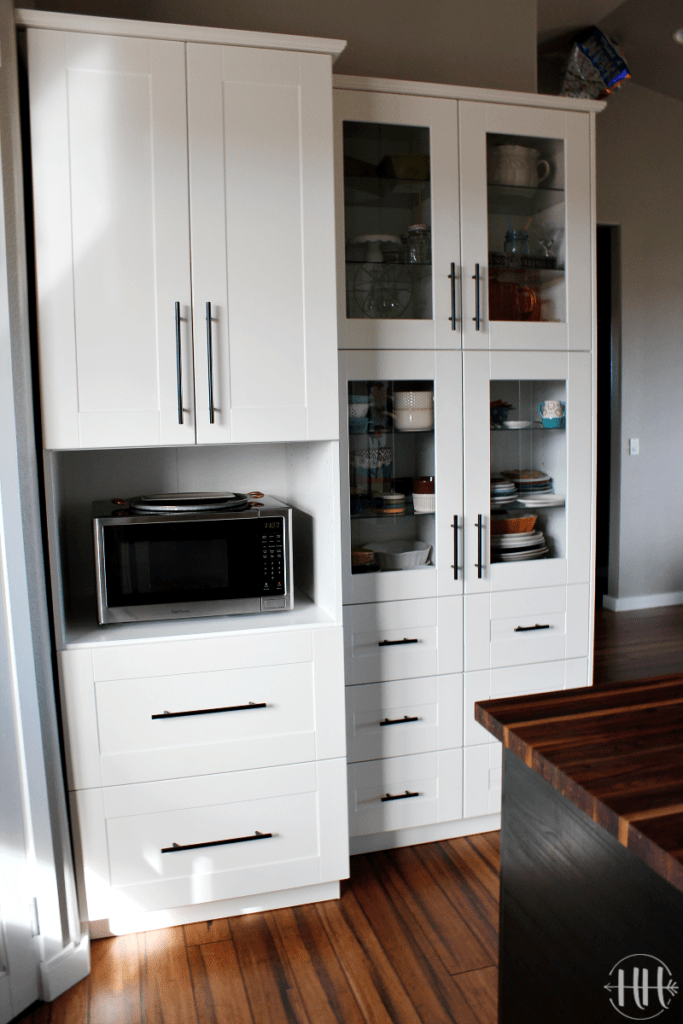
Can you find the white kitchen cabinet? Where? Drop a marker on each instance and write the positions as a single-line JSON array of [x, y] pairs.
[[505, 254], [179, 307], [384, 455]]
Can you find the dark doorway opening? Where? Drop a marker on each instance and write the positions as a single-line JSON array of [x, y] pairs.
[[605, 380]]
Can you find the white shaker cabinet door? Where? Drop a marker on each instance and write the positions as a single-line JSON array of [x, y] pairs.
[[109, 149], [261, 198]]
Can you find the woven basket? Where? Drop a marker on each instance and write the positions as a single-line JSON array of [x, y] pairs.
[[523, 525]]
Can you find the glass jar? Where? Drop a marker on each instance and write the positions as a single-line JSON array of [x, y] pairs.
[[419, 244], [516, 243]]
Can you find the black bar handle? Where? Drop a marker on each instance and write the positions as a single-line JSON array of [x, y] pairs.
[[398, 796], [178, 363], [479, 563], [525, 629], [392, 643], [219, 842], [209, 360], [475, 278], [399, 721], [454, 567], [211, 711], [452, 280]]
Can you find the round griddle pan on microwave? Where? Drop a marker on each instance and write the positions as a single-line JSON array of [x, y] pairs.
[[198, 501]]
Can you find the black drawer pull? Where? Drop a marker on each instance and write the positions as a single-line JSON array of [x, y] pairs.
[[398, 796], [525, 629], [399, 721], [219, 842], [211, 711], [392, 643]]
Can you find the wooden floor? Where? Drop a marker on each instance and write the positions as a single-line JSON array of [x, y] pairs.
[[413, 939]]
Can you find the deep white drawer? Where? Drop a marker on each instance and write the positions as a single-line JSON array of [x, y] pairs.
[[402, 792], [114, 739], [402, 639], [513, 682], [521, 627], [403, 716], [482, 785], [216, 722], [131, 837]]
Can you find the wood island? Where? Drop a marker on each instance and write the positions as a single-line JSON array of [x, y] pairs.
[[591, 925]]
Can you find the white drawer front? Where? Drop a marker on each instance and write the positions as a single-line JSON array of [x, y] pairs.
[[513, 682], [482, 784], [403, 716], [402, 792], [124, 829], [402, 639], [137, 745], [521, 627], [136, 661]]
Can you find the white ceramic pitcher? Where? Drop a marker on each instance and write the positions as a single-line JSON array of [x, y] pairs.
[[516, 165]]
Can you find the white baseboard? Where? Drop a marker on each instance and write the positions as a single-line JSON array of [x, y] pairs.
[[65, 969], [149, 920], [424, 834], [632, 604]]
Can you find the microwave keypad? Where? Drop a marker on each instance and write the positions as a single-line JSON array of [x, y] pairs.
[[273, 562]]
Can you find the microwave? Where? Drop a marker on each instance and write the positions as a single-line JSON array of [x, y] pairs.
[[187, 558]]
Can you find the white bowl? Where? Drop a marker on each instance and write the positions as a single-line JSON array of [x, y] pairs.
[[400, 554], [516, 424]]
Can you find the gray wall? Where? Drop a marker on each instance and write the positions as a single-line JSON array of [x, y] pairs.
[[640, 187], [490, 43]]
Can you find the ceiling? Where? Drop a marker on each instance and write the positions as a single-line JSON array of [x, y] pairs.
[[643, 28]]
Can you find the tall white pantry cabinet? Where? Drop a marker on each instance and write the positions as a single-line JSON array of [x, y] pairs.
[[465, 284], [184, 224]]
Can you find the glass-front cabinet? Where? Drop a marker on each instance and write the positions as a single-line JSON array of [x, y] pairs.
[[464, 224], [397, 199], [401, 474], [527, 440]]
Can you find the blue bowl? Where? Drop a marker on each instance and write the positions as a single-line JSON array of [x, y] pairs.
[[557, 423]]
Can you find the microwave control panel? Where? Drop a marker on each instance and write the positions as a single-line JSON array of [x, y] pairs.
[[273, 559]]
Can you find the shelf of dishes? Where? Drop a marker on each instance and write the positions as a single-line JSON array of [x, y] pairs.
[[522, 200], [390, 556]]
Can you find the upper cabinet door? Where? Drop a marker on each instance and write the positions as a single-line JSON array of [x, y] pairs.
[[261, 202], [398, 234], [109, 149], [526, 228]]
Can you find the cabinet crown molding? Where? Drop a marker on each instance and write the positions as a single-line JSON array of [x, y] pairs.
[[439, 90], [179, 33]]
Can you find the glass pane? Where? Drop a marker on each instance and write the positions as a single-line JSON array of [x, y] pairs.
[[528, 470], [391, 466], [387, 212], [526, 228]]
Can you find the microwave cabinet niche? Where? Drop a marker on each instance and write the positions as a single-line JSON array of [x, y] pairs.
[[183, 198]]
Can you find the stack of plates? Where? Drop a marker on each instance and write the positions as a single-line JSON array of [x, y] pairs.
[[393, 504], [518, 547], [503, 492], [546, 499], [534, 488]]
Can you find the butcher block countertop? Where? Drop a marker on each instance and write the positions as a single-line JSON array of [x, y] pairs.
[[616, 752]]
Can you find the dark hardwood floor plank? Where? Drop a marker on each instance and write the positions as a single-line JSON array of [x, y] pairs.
[[463, 949], [480, 989], [637, 644], [115, 981], [207, 931], [326, 993], [377, 987], [479, 859], [72, 1007], [269, 983], [167, 995], [220, 995], [431, 987]]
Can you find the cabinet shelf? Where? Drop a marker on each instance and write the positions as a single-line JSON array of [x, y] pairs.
[[393, 192], [372, 513], [518, 200], [523, 430], [388, 263]]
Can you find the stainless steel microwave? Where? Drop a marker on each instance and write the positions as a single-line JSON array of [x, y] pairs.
[[184, 559]]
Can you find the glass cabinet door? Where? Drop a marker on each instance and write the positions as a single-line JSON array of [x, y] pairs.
[[402, 474], [397, 221], [527, 250], [527, 469]]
